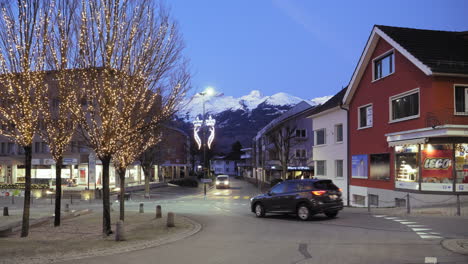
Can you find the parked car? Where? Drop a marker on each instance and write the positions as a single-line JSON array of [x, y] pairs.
[[222, 181], [301, 197]]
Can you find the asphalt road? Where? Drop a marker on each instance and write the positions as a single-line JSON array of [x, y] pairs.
[[232, 234]]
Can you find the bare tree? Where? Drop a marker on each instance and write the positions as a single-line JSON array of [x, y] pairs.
[[23, 27], [131, 55], [282, 139], [60, 107]]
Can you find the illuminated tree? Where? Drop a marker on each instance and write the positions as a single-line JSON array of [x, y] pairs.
[[60, 107], [130, 53], [23, 27]]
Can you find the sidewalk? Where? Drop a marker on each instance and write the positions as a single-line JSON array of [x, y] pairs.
[[81, 237]]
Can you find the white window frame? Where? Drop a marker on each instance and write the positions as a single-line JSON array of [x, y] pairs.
[[381, 57], [324, 168], [455, 101], [336, 133], [324, 137], [359, 116], [336, 169], [401, 95]]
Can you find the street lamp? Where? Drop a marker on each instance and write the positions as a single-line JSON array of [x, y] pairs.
[[202, 125]]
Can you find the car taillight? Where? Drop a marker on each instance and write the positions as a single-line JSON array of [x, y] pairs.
[[319, 193], [341, 190]]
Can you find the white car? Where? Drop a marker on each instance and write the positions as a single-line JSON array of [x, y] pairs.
[[222, 181]]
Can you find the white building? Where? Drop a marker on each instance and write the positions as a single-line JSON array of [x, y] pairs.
[[330, 143], [223, 165]]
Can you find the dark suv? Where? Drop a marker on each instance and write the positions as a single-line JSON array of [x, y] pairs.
[[302, 197]]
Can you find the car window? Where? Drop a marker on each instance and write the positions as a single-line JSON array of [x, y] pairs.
[[306, 186], [292, 187], [222, 178], [279, 188], [325, 185]]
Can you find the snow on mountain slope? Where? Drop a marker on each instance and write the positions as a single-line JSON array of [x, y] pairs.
[[221, 102]]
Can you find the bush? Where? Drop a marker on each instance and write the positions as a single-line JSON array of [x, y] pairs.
[[21, 186], [185, 182], [275, 181]]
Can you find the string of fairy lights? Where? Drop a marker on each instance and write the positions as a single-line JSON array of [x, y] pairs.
[[114, 79]]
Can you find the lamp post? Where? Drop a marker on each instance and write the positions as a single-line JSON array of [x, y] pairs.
[[203, 124]]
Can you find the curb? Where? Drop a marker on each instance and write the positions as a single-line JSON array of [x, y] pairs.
[[196, 227], [459, 246]]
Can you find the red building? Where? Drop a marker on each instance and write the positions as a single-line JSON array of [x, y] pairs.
[[408, 117]]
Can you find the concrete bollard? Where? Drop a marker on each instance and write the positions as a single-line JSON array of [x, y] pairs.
[[170, 219], [67, 208], [5, 211], [119, 231], [141, 208], [158, 211]]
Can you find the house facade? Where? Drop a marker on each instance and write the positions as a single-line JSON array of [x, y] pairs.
[[408, 117], [330, 149], [288, 139], [223, 165]]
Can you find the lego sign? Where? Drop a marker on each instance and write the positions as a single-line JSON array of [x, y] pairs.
[[437, 163]]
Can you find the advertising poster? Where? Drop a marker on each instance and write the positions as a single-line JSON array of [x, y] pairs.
[[359, 166], [437, 166]]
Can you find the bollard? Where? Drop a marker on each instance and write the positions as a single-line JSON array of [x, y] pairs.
[[408, 207], [368, 203], [141, 208], [13, 199], [67, 208], [5, 211], [158, 211], [170, 219], [119, 231], [458, 205]]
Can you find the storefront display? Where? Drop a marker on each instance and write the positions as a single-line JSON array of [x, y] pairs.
[[437, 171], [461, 167], [407, 167], [359, 166]]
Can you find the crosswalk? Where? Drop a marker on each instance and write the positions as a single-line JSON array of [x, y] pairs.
[[422, 231]]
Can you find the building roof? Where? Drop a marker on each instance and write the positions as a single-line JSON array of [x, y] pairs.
[[335, 101], [441, 51], [433, 52]]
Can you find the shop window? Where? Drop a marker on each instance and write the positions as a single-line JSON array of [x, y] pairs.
[[321, 168], [383, 66], [404, 106], [380, 167], [339, 133], [437, 171], [407, 167], [339, 168], [365, 116], [461, 100], [320, 137], [461, 167]]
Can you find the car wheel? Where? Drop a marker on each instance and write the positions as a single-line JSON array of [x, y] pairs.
[[259, 210], [303, 212], [331, 214]]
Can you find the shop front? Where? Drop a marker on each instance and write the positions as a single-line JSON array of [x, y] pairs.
[[431, 165]]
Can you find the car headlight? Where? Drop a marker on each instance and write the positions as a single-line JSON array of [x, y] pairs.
[[226, 182], [217, 182]]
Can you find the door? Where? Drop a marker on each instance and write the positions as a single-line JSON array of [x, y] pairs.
[[287, 199], [272, 201]]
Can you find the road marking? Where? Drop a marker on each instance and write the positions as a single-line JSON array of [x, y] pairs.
[[379, 215], [246, 197], [400, 220], [430, 260], [430, 237], [236, 197], [390, 218], [408, 223], [416, 225], [420, 229]]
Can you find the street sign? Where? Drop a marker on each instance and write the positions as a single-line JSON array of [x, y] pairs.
[[206, 180]]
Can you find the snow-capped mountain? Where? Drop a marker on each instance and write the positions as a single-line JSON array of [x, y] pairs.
[[220, 102]]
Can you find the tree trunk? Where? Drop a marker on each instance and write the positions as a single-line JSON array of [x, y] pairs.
[[27, 190], [147, 173], [106, 219], [58, 190], [121, 172]]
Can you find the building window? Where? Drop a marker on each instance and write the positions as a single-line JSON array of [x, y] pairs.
[[383, 66], [380, 167], [461, 166], [359, 199], [339, 168], [321, 168], [10, 148], [300, 153], [461, 100], [37, 147], [407, 167], [365, 116], [437, 167], [320, 137], [301, 133], [339, 133], [404, 106], [373, 199]]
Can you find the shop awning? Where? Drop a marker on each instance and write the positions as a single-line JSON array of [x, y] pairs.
[[407, 142]]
